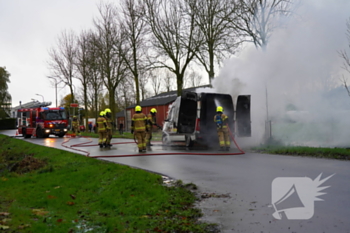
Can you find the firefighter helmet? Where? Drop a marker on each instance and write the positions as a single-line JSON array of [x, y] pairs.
[[219, 109], [138, 108], [108, 112], [153, 110], [102, 113]]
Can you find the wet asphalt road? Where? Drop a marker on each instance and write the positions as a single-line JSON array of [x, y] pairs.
[[240, 185]]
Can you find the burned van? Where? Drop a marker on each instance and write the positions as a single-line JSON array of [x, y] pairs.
[[191, 118]]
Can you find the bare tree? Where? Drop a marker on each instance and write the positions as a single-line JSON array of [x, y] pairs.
[[95, 82], [83, 63], [213, 18], [193, 79], [144, 77], [61, 63], [126, 93], [344, 55], [167, 79], [134, 30], [175, 38], [108, 43], [258, 19], [154, 76]]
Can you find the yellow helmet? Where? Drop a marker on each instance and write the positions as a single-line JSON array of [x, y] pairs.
[[102, 113], [153, 110], [138, 108], [219, 109], [107, 110]]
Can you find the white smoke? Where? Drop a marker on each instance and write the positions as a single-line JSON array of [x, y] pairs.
[[299, 68]]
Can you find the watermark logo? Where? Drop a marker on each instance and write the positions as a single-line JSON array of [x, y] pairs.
[[294, 197]]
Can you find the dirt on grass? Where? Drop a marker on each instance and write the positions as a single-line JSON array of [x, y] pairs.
[[19, 163]]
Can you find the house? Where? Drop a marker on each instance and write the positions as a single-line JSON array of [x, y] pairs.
[[161, 102]]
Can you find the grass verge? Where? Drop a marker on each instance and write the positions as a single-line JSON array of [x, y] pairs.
[[332, 153], [49, 190]]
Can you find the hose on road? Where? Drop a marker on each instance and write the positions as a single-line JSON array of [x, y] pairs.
[[84, 144]]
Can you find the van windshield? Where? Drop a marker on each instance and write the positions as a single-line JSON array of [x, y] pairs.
[[54, 115]]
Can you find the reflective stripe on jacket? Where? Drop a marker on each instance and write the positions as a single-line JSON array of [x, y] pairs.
[[109, 123], [151, 120], [101, 123], [139, 122]]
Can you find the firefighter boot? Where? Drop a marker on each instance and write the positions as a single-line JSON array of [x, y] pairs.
[[227, 148], [101, 145], [222, 149]]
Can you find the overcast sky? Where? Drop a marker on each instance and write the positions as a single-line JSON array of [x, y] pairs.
[[28, 29]]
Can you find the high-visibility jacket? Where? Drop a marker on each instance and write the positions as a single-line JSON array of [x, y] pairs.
[[75, 123], [109, 123], [151, 120], [221, 120], [139, 121], [101, 124]]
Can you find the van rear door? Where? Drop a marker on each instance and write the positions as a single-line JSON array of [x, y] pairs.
[[209, 103], [187, 113], [243, 121]]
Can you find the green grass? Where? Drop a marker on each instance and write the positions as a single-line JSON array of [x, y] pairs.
[[333, 153], [73, 193]]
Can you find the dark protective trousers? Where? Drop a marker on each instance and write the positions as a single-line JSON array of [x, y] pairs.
[[141, 139], [102, 137], [224, 139], [108, 136]]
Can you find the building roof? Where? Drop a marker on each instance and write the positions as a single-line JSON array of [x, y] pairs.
[[163, 98], [120, 114]]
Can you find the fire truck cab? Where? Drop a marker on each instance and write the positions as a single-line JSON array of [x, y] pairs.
[[42, 122]]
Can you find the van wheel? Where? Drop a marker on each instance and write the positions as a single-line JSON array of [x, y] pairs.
[[165, 140], [189, 141]]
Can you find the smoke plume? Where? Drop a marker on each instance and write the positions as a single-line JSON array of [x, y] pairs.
[[296, 83]]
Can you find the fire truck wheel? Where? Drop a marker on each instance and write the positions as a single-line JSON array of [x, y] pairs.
[[39, 133], [24, 132], [61, 135]]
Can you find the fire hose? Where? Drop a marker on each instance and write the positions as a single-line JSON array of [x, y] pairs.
[[84, 144]]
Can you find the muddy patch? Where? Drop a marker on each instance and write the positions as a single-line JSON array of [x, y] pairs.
[[19, 163]]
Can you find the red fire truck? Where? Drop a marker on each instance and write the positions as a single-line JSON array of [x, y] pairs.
[[42, 121]]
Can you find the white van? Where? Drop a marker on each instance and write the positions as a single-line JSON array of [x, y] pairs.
[[191, 118]]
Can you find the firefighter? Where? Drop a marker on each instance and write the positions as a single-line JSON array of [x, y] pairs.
[[151, 121], [108, 117], [138, 128], [222, 128], [102, 129], [75, 125]]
